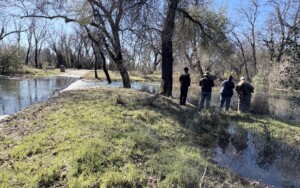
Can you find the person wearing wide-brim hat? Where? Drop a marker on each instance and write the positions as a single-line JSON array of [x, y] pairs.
[[244, 90], [185, 82], [206, 84]]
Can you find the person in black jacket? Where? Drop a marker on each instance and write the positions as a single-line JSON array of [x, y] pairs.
[[185, 82], [226, 92], [206, 84], [244, 90]]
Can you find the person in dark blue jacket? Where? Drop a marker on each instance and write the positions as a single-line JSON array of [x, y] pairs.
[[226, 92], [206, 84], [185, 82]]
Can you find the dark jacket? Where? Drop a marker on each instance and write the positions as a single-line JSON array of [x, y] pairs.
[[185, 80], [227, 87], [206, 84], [244, 89]]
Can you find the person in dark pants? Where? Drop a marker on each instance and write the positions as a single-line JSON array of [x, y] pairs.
[[226, 92], [206, 84], [244, 90], [185, 82]]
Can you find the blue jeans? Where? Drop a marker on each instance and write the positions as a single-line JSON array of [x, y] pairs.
[[225, 99], [205, 96]]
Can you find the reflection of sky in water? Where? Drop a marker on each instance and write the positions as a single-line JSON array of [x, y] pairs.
[[18, 94], [265, 160]]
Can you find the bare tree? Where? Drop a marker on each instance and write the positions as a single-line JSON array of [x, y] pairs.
[[99, 54], [167, 48], [105, 16], [241, 46], [282, 33], [30, 45], [39, 36], [108, 19], [251, 13], [8, 22]]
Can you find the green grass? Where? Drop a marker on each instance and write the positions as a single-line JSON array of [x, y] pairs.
[[26, 70], [134, 76], [30, 71], [115, 138]]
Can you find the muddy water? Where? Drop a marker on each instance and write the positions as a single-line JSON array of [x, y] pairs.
[[258, 157], [18, 94]]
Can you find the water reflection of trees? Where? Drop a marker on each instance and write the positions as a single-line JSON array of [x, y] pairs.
[[17, 94], [239, 140], [266, 153], [262, 153], [223, 138]]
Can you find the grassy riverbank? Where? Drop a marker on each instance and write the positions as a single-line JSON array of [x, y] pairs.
[[109, 137], [30, 71], [134, 76]]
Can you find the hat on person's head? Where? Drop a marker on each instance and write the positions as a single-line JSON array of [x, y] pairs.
[[206, 73], [242, 78]]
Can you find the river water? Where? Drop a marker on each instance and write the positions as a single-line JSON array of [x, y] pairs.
[[17, 94], [258, 157]]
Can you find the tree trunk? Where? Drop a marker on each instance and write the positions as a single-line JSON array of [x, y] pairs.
[[95, 67], [200, 70], [123, 70], [28, 51], [27, 56], [167, 50], [253, 45], [104, 67], [36, 59], [156, 61]]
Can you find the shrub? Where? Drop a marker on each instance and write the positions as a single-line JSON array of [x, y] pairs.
[[11, 59]]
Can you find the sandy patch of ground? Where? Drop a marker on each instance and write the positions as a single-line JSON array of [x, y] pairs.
[[76, 73], [79, 84]]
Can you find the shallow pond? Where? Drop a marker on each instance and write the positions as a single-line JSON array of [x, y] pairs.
[[258, 157], [18, 94]]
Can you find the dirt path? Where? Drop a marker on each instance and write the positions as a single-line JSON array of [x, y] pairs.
[[79, 84], [75, 73]]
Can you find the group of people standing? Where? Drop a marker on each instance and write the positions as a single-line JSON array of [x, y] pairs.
[[243, 89]]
